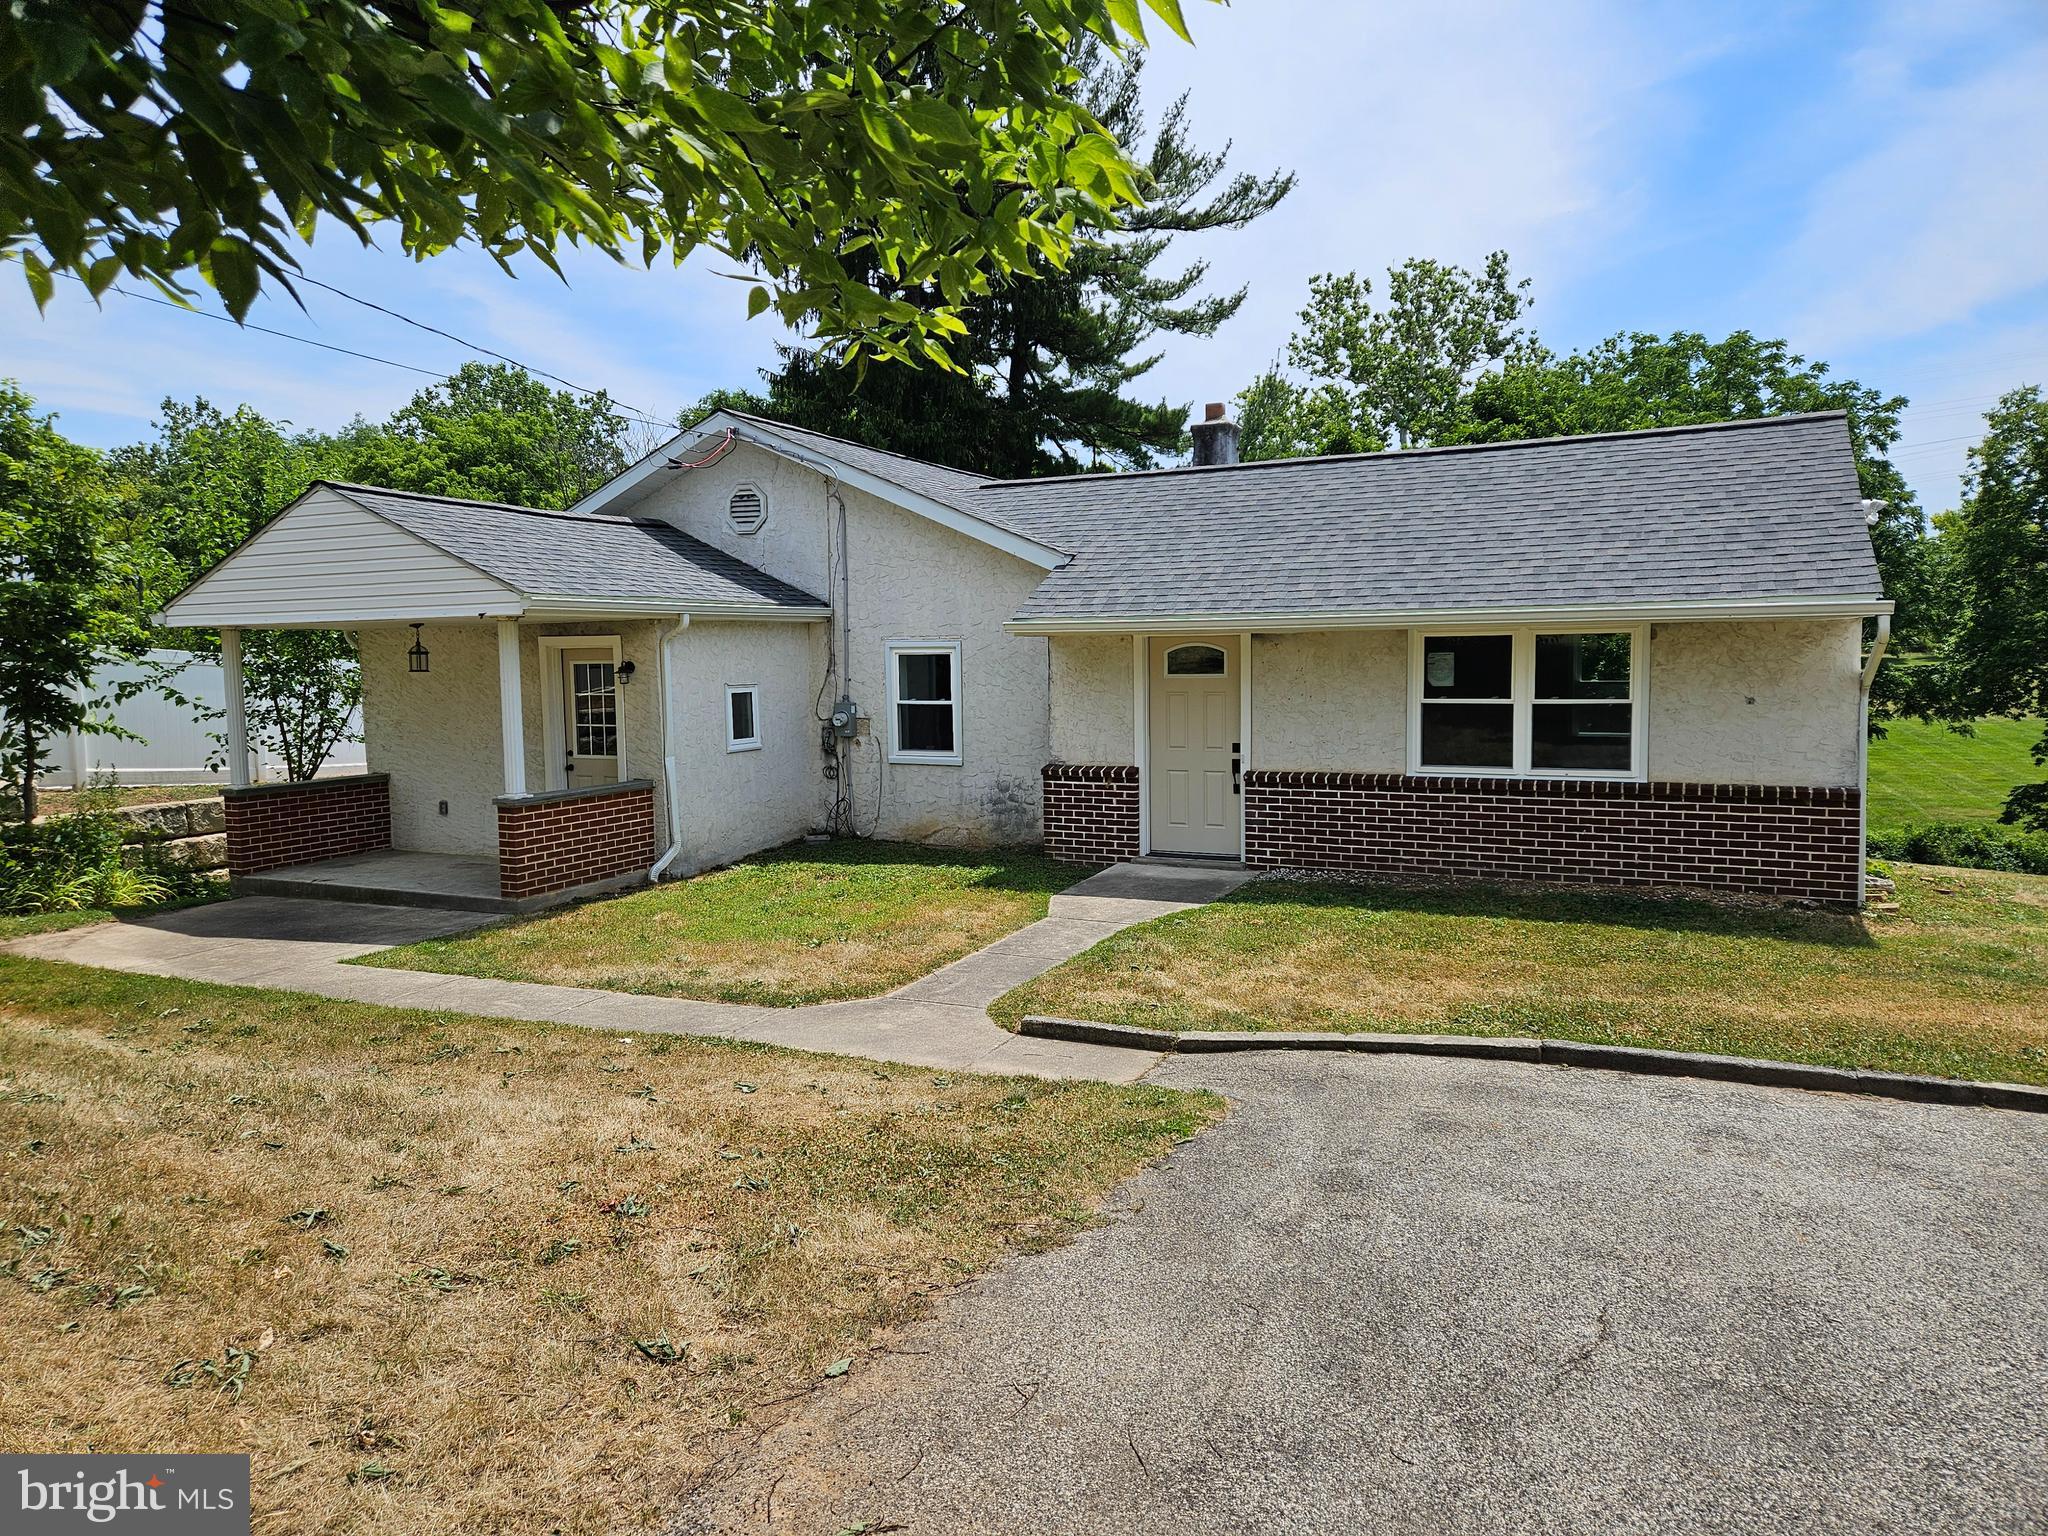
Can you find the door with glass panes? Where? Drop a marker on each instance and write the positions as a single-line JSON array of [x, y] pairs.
[[590, 717]]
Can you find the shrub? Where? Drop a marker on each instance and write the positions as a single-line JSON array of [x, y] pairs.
[[1969, 845], [71, 863]]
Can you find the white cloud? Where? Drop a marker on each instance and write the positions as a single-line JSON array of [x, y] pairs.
[[1945, 214], [1420, 129]]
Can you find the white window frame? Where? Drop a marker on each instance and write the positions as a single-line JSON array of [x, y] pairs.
[[1522, 689], [743, 743], [900, 648]]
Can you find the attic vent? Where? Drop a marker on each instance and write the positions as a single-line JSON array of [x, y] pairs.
[[746, 512]]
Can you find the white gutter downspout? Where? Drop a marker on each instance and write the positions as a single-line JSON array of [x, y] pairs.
[[1884, 635], [668, 748]]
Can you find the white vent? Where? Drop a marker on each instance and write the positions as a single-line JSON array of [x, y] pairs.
[[746, 512]]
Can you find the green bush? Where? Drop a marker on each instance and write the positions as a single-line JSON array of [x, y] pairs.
[[1970, 845], [75, 863]]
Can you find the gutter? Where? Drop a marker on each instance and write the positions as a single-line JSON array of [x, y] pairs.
[[673, 805], [1877, 649], [1281, 621]]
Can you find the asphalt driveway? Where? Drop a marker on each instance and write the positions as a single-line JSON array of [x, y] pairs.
[[1409, 1295]]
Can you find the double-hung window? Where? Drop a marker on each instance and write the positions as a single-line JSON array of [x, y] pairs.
[[924, 702], [1528, 702]]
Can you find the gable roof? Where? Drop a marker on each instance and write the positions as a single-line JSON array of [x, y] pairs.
[[945, 496], [345, 553], [1756, 516], [559, 553]]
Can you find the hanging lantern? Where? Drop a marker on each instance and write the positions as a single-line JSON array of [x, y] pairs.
[[416, 658]]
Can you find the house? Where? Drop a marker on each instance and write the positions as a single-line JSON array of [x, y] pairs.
[[1637, 658]]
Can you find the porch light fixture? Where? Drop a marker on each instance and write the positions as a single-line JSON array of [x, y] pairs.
[[625, 672], [416, 658]]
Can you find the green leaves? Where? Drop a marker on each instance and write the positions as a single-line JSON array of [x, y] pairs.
[[521, 125]]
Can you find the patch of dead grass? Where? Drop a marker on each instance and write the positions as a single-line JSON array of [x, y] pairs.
[[439, 1273]]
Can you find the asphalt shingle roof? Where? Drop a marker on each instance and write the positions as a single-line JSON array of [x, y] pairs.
[[1734, 511], [557, 553]]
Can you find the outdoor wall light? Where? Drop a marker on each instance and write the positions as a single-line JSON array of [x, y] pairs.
[[416, 658], [625, 672]]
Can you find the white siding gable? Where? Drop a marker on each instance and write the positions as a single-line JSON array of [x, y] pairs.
[[326, 561]]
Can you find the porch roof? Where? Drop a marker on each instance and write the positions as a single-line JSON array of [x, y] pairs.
[[356, 554]]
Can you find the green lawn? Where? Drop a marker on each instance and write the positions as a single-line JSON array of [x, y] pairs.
[[436, 1273], [804, 924], [1927, 773], [1955, 983]]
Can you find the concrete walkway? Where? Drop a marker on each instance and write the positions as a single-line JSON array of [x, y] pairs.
[[940, 1020]]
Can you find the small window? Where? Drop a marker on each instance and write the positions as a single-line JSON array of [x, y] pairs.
[[1195, 661], [924, 703], [742, 720], [1468, 711], [746, 511]]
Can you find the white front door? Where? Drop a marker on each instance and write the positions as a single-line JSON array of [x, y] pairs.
[[1196, 802], [590, 718]]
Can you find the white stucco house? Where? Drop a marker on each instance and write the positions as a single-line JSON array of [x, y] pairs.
[[1637, 658]]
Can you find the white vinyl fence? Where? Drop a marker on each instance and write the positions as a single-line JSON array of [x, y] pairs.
[[176, 740]]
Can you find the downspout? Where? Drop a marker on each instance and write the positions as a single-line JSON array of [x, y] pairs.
[[662, 644], [1884, 635]]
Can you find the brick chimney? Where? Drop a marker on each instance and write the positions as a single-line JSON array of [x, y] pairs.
[[1215, 436]]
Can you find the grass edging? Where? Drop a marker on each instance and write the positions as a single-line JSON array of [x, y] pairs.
[[1557, 1053]]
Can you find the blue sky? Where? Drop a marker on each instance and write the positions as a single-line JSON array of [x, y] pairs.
[[1867, 180]]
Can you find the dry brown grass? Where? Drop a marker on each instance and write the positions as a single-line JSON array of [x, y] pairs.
[[1954, 983], [458, 1252], [802, 924]]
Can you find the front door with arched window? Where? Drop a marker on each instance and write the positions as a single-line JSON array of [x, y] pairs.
[[1196, 800]]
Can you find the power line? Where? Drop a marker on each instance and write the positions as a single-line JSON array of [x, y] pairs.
[[368, 357], [435, 330]]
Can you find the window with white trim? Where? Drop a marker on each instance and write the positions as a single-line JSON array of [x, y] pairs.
[[742, 718], [924, 702], [1527, 703]]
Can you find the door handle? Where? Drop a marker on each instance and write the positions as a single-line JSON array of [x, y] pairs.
[[1237, 775]]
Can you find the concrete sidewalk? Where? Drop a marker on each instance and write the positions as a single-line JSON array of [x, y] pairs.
[[940, 1020]]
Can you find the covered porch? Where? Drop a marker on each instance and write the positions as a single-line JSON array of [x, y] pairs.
[[491, 789], [515, 675]]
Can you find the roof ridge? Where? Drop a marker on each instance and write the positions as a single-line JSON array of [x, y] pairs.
[[471, 501], [852, 442], [1395, 454]]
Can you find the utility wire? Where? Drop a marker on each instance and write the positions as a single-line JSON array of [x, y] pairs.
[[473, 346], [371, 357]]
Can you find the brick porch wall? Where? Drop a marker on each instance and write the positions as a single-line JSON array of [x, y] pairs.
[[271, 825], [1759, 838], [553, 842], [1091, 812]]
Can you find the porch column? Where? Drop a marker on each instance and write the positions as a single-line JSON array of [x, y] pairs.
[[511, 709], [238, 718]]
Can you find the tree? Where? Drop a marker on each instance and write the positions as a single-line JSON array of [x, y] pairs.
[[489, 432], [1280, 419], [59, 625], [301, 688], [1996, 661], [1048, 363], [1636, 380], [1403, 369], [940, 142]]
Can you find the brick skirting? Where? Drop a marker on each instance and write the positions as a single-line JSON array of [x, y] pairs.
[[1091, 813], [271, 825], [1760, 838], [553, 842]]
